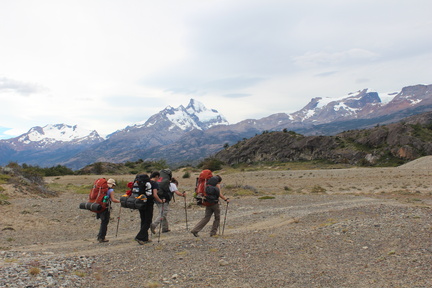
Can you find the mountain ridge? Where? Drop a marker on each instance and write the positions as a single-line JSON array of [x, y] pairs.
[[394, 143], [187, 134]]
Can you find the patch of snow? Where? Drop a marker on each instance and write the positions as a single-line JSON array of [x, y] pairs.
[[52, 133], [182, 119]]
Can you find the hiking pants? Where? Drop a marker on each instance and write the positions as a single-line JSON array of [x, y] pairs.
[[208, 213], [146, 216], [162, 216], [105, 218]]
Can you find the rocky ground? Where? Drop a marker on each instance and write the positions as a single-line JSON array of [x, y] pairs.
[[368, 227]]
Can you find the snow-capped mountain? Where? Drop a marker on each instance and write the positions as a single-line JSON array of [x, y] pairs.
[[194, 116], [187, 134], [54, 135], [206, 118], [325, 110], [163, 128], [363, 105], [47, 146], [57, 133]]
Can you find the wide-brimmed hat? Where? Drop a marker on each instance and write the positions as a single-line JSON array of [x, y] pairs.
[[111, 181]]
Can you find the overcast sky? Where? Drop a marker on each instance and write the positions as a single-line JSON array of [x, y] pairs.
[[106, 64]]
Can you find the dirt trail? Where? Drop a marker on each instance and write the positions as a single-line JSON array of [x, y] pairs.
[[366, 228], [245, 215]]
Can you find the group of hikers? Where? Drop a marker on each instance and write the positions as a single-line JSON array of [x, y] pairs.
[[162, 201]]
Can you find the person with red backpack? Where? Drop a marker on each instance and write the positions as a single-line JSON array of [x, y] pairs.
[[105, 214], [211, 201]]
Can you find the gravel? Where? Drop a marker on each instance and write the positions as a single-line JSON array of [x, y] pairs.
[[328, 239]]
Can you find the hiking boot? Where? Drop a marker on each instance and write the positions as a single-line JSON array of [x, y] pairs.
[[166, 231], [100, 240], [142, 242], [195, 234], [153, 228]]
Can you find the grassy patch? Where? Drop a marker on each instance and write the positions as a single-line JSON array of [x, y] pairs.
[[4, 198], [266, 197], [4, 178], [241, 190], [70, 188], [318, 189], [34, 271], [80, 273], [329, 222], [152, 285], [300, 165], [182, 253]]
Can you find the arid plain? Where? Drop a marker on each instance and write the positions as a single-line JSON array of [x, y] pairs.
[[357, 227]]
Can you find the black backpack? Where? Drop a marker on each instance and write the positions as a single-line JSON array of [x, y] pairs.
[[212, 192], [141, 192], [140, 186], [164, 191]]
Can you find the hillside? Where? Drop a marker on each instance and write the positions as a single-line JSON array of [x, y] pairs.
[[385, 145]]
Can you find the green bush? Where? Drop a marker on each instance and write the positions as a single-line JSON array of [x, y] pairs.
[[186, 174], [212, 164], [266, 197]]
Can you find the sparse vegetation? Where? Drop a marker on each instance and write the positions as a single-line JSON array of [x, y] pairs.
[[152, 285], [313, 224], [266, 197], [186, 175], [129, 167], [240, 190], [318, 189], [211, 163], [24, 180], [3, 199], [4, 178], [34, 271], [80, 273], [58, 170]]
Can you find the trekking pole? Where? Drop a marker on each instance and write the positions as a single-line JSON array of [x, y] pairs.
[[118, 221], [185, 210], [226, 212], [161, 219]]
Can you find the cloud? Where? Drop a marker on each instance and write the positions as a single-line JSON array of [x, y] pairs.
[[4, 135], [18, 87], [130, 59], [326, 59], [326, 74], [237, 95], [232, 83]]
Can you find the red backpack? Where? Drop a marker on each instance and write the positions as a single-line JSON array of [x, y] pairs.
[[201, 184], [98, 198]]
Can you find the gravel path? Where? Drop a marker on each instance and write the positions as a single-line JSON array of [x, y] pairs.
[[332, 239]]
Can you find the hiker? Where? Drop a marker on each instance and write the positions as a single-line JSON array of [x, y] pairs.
[[164, 208], [146, 213], [214, 184], [105, 215]]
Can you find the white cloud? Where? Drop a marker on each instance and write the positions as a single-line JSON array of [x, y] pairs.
[[105, 64], [324, 59]]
